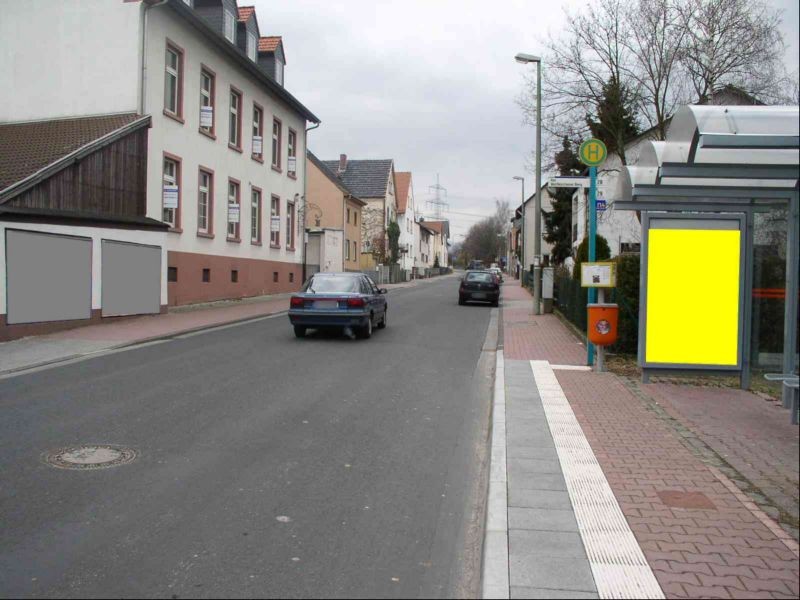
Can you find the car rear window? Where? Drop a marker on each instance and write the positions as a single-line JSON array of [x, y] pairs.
[[480, 277], [332, 285]]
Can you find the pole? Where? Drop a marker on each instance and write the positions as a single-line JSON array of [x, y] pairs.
[[522, 250], [601, 298], [537, 206], [592, 253]]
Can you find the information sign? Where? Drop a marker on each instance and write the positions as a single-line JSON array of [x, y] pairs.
[[170, 196], [598, 275], [592, 152]]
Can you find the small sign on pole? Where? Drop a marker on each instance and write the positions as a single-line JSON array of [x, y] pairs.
[[233, 213], [206, 116], [598, 275], [601, 205], [170, 196]]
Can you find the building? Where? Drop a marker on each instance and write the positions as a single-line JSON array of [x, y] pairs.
[[331, 205], [211, 85], [439, 243], [406, 217], [76, 246], [373, 181], [426, 237]]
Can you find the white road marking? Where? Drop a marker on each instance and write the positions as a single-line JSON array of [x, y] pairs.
[[618, 564], [570, 368]]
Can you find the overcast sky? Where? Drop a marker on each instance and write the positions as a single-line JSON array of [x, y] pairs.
[[428, 83]]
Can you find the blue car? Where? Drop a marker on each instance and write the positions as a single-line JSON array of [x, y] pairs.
[[344, 300]]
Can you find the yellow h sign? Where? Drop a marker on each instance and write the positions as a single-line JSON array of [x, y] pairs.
[[592, 152]]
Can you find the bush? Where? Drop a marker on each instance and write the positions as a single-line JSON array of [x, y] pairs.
[[626, 295], [601, 251]]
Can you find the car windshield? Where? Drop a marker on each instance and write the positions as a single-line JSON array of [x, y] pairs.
[[480, 277], [335, 285]]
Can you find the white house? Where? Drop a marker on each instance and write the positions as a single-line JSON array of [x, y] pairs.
[[213, 87], [406, 217]]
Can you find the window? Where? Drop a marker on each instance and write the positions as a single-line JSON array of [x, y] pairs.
[[291, 277], [255, 216], [251, 47], [229, 26], [355, 218], [234, 276], [258, 132], [274, 232], [279, 71], [275, 277], [355, 251], [172, 274], [207, 100], [276, 143], [233, 202], [348, 216], [205, 202], [206, 275], [347, 249], [290, 225], [235, 120], [173, 81], [291, 144], [171, 196]]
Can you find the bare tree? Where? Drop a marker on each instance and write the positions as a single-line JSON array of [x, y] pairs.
[[732, 42]]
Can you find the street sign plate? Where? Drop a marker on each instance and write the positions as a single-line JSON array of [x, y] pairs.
[[571, 182], [600, 205], [592, 152]]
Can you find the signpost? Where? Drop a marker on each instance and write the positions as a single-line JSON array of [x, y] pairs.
[[570, 182], [592, 153]]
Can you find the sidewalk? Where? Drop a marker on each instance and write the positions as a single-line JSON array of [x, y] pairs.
[[74, 343], [663, 488]]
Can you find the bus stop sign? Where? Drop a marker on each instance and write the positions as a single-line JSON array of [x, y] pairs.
[[592, 152]]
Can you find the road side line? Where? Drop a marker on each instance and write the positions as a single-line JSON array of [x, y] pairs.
[[495, 578], [618, 564]]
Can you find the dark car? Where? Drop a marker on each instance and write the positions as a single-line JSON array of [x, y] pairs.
[[344, 300], [480, 286]]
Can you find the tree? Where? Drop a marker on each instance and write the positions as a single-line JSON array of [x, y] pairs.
[[484, 240], [614, 121], [436, 262], [558, 222], [393, 233], [601, 252]]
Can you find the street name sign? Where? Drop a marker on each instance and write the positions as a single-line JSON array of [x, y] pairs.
[[570, 182]]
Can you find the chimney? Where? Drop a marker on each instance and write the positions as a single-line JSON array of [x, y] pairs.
[[342, 163]]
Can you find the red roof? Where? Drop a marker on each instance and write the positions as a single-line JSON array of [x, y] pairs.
[[245, 12], [403, 179], [435, 225], [269, 43]]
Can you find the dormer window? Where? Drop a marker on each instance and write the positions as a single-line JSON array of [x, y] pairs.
[[278, 71], [251, 47], [229, 24]]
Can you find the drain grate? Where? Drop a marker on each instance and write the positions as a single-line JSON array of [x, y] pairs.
[[91, 456]]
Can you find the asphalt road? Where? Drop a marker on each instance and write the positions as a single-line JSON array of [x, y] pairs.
[[268, 465]]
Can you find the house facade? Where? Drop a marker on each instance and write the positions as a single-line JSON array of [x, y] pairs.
[[426, 240], [406, 218], [222, 166], [331, 205], [439, 243], [373, 181]]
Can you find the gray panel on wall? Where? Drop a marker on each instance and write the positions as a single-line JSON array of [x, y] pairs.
[[48, 277], [131, 283]]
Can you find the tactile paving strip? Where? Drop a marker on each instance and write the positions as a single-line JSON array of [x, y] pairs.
[[618, 564]]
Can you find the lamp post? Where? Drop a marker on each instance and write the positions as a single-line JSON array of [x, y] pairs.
[[537, 206], [522, 237]]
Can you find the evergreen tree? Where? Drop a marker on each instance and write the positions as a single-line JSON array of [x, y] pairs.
[[558, 222], [615, 122], [393, 233]]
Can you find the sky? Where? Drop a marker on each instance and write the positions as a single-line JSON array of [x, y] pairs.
[[429, 83]]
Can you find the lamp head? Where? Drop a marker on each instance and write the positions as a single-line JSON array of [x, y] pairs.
[[518, 178], [526, 58]]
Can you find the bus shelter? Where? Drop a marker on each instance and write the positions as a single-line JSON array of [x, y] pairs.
[[718, 204]]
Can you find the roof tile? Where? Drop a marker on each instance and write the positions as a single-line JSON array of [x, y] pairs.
[[403, 179], [269, 43], [366, 178], [245, 12]]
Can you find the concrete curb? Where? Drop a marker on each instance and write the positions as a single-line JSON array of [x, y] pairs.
[[495, 575]]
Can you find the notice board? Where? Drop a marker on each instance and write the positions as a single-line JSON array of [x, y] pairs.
[[693, 292]]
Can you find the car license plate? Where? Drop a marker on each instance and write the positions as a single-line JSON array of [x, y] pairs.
[[479, 295], [326, 304]]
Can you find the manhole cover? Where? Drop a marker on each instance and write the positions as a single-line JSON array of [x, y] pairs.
[[93, 456]]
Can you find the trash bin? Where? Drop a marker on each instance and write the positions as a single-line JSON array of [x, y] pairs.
[[602, 323]]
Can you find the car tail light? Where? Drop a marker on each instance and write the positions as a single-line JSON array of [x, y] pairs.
[[355, 303], [296, 302]]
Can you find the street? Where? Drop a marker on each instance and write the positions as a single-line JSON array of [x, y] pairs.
[[267, 465]]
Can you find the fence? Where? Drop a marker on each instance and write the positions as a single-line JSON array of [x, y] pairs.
[[394, 274]]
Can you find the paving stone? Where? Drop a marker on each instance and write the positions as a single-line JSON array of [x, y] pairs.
[[539, 499], [540, 481], [541, 452], [551, 573], [535, 593], [542, 519], [532, 466]]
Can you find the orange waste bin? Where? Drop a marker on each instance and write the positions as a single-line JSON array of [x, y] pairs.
[[602, 323]]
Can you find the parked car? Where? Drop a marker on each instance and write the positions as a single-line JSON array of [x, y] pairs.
[[481, 286], [339, 300], [497, 273], [475, 265]]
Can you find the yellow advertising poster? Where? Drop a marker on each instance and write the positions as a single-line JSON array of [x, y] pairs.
[[693, 296]]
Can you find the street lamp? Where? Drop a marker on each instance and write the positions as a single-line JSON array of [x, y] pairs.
[[522, 237], [537, 205]]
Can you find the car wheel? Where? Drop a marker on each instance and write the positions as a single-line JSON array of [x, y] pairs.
[[365, 332], [496, 302], [461, 301], [299, 331], [382, 324]]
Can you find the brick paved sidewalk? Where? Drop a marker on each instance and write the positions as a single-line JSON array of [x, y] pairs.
[[701, 535]]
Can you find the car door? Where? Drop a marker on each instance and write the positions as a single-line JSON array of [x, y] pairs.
[[378, 299]]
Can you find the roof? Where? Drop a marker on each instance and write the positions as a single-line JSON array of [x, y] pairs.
[[424, 225], [26, 148], [245, 12], [332, 176], [403, 179], [240, 57], [269, 43], [367, 178]]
